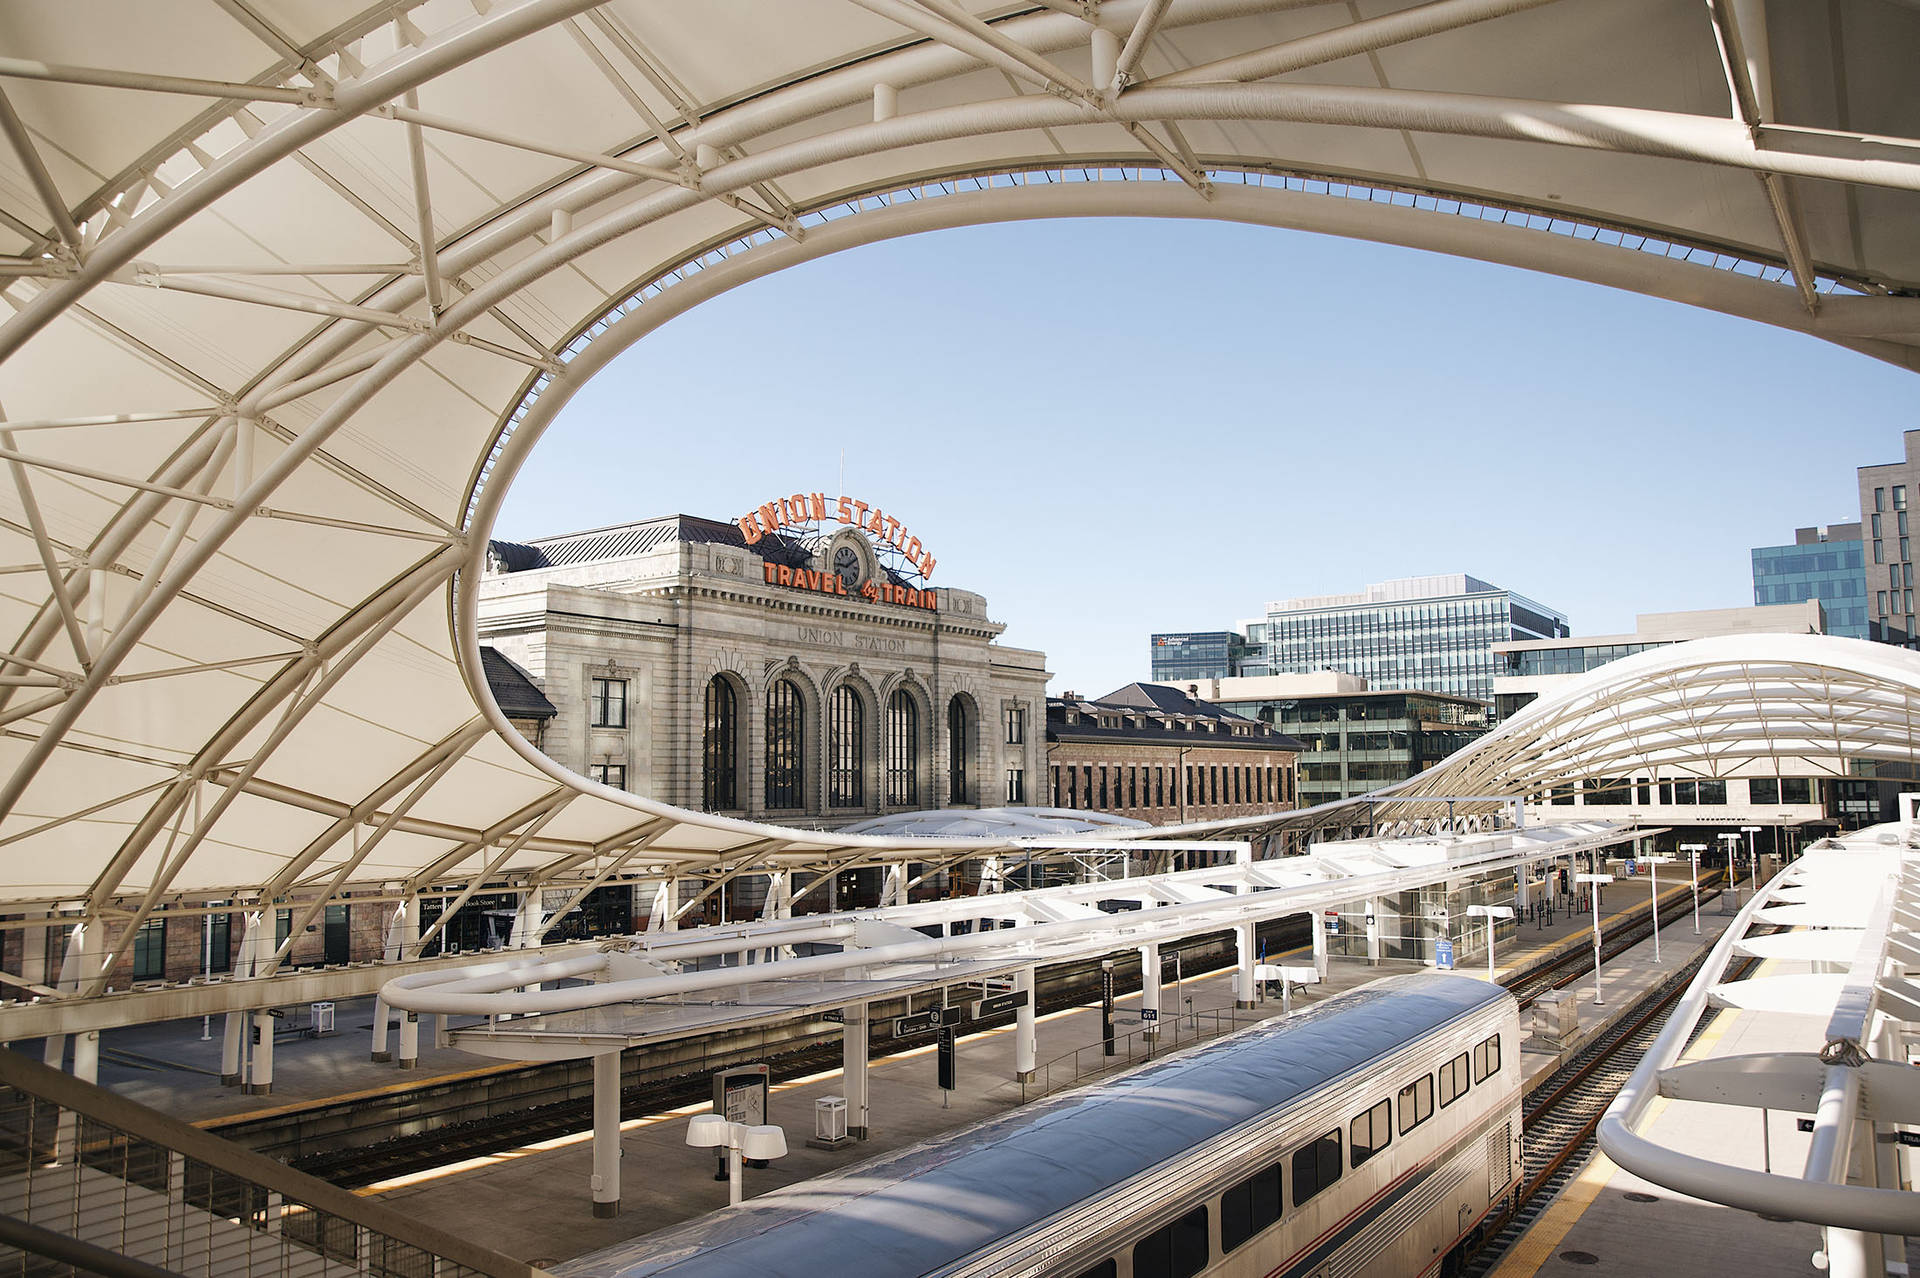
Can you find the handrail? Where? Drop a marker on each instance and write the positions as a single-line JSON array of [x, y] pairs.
[[102, 1106]]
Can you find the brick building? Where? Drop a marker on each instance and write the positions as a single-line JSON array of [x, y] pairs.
[[1155, 754]]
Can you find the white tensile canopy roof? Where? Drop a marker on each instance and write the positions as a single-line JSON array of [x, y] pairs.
[[294, 285]]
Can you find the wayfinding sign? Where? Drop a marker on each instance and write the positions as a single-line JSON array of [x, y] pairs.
[[995, 1004], [1443, 954]]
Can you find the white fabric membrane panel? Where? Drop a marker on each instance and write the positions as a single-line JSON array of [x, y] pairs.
[[246, 271]]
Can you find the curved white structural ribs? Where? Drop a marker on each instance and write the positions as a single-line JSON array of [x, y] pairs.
[[292, 289]]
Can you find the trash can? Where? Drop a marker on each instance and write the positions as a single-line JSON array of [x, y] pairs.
[[830, 1124], [322, 1018]]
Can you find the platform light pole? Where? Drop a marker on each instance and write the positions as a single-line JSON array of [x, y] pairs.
[[1594, 881], [707, 1131], [1731, 842], [1654, 863], [1695, 849], [1753, 858], [1492, 914]]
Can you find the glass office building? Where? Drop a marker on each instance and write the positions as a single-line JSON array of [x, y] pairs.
[[1433, 634], [1205, 654], [1354, 743], [1828, 564]]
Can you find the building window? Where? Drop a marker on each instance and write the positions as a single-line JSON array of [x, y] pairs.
[[608, 703], [1879, 499], [1881, 600], [219, 942], [959, 790], [719, 765], [903, 749], [611, 774], [1016, 785], [1876, 525], [1016, 725], [1901, 520], [1879, 552], [1899, 496], [846, 750], [1905, 553], [786, 744], [150, 950]]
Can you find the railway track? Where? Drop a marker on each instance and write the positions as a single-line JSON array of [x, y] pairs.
[[1563, 1110], [1572, 966]]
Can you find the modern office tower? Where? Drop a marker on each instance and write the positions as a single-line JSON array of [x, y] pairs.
[[1431, 634], [1197, 654], [1889, 556], [1827, 564]]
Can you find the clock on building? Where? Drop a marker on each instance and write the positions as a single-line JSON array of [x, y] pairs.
[[847, 565]]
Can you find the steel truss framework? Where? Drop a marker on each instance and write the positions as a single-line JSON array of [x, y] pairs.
[[293, 295]]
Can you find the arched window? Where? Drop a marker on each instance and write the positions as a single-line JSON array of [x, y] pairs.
[[959, 786], [846, 750], [903, 749], [786, 746], [718, 762]]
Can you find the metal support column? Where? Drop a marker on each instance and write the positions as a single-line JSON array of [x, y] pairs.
[[233, 1042], [1373, 932], [606, 1134], [1024, 1041], [381, 1015], [1320, 944], [410, 1040], [260, 1059], [1150, 990], [853, 1068]]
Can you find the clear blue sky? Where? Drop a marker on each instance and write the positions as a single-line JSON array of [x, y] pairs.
[[1114, 427]]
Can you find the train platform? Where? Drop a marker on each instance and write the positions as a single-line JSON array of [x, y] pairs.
[[1609, 1220], [175, 1065], [532, 1202]]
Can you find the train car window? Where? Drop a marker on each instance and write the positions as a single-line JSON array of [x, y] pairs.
[[1369, 1133], [1178, 1250], [1416, 1103], [1249, 1207], [1453, 1080], [1108, 1268], [1486, 1059], [1316, 1166]]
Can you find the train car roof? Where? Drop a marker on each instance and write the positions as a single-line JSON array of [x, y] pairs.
[[918, 1209]]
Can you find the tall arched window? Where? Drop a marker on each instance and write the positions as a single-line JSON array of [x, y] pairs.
[[959, 785], [719, 769], [786, 746], [903, 749], [846, 749]]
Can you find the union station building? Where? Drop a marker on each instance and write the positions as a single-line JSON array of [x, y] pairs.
[[794, 665]]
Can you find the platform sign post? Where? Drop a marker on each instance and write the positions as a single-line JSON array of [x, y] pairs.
[[1695, 849], [1653, 864], [1594, 881], [946, 1057], [1492, 914], [740, 1096], [1106, 1006]]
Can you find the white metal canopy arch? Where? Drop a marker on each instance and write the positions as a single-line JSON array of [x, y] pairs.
[[294, 285]]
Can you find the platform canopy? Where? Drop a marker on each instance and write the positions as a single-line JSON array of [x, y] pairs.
[[293, 286]]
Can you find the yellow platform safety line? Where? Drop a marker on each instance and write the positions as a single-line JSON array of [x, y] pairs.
[[1537, 1245]]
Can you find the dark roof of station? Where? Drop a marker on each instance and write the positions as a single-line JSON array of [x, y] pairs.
[[513, 688], [618, 541], [1171, 717]]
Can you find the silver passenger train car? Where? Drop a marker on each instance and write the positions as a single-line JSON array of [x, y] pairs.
[[1367, 1135]]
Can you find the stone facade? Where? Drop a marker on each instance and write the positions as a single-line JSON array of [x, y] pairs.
[[680, 605]]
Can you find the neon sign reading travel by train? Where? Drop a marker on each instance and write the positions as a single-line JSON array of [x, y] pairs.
[[812, 508]]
